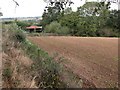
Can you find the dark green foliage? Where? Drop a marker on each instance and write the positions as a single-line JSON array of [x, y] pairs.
[[7, 73], [16, 33], [7, 22], [114, 19], [19, 35], [23, 25], [51, 15], [53, 12], [92, 19], [70, 20], [86, 27]]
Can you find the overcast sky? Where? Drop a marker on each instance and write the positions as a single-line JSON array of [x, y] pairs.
[[32, 7]]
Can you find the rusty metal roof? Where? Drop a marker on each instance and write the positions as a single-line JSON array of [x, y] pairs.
[[34, 27]]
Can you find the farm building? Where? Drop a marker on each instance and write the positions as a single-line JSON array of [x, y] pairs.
[[34, 28]]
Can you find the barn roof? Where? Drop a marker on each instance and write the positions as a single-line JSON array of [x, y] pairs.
[[34, 27]]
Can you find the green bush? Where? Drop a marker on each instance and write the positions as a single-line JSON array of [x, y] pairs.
[[108, 32], [48, 70], [56, 28], [64, 31], [16, 33], [19, 35], [7, 73]]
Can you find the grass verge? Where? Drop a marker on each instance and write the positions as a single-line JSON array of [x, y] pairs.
[[48, 71]]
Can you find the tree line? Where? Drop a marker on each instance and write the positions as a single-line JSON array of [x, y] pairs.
[[91, 19]]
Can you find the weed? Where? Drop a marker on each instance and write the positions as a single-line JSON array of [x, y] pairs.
[[116, 59], [16, 33], [45, 66], [7, 73]]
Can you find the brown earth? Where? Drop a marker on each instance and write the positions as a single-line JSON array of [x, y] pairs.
[[94, 58]]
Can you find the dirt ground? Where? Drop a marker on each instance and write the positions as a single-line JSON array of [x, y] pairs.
[[94, 58]]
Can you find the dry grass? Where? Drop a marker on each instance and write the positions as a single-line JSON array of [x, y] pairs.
[[15, 65]]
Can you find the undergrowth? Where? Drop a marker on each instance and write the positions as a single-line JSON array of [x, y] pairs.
[[48, 75]]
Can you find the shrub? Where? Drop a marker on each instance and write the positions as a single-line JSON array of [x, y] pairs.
[[48, 75], [56, 28], [16, 33], [63, 31], [7, 73], [108, 32], [19, 35]]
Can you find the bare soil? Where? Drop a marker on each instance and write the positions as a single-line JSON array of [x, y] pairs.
[[94, 58]]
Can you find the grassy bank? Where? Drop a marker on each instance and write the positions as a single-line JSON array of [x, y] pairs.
[[48, 71]]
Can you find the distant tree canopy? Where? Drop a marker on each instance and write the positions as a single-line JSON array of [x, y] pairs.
[[91, 19], [22, 25], [53, 12], [92, 8]]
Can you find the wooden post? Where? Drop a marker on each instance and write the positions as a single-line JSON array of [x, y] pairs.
[[34, 29]]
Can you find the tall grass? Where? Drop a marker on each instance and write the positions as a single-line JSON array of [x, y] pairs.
[[48, 71]]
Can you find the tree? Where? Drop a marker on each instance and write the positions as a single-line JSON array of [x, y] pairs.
[[86, 27], [92, 9], [97, 15], [53, 12], [50, 15], [70, 20], [114, 19], [68, 10]]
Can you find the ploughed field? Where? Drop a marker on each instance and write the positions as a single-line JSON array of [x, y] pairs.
[[94, 58]]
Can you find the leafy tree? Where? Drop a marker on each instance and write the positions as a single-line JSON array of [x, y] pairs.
[[50, 15], [68, 10], [114, 19], [86, 27], [94, 17], [92, 8], [53, 12], [70, 20]]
